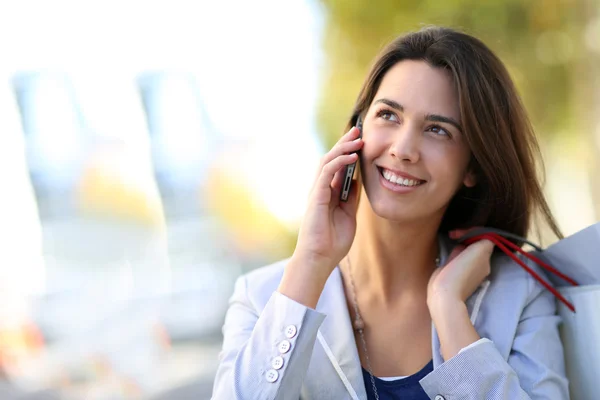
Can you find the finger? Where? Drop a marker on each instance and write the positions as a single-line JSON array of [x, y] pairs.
[[350, 135], [330, 169], [485, 245], [458, 233], [479, 252], [345, 147], [338, 182], [455, 234], [337, 150], [476, 252]]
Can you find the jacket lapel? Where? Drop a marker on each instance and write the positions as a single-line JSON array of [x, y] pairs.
[[337, 336]]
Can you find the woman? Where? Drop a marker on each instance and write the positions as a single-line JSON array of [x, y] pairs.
[[376, 301]]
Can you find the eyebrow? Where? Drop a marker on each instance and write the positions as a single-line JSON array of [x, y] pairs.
[[428, 117]]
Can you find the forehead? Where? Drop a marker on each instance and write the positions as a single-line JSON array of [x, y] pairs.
[[420, 89]]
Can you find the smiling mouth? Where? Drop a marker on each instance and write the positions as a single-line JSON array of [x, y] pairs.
[[397, 180]]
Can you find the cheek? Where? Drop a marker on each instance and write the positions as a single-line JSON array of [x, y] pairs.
[[448, 167], [376, 143], [371, 150]]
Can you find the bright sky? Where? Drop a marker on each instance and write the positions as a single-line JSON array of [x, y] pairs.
[[256, 63]]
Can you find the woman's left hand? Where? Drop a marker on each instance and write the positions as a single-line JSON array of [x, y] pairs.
[[467, 267]]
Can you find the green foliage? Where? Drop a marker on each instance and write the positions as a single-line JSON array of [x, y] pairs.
[[539, 41]]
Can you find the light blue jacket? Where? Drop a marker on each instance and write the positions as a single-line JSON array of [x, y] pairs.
[[523, 358]]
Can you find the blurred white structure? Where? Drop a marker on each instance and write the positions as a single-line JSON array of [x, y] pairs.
[[55, 137], [103, 227], [22, 270], [184, 145], [182, 136]]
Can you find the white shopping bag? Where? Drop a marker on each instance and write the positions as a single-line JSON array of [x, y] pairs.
[[580, 334], [578, 256]]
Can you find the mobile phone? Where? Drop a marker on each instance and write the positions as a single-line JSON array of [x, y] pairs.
[[349, 172]]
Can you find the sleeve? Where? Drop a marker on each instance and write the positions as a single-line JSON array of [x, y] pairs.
[[265, 356], [534, 370], [477, 343]]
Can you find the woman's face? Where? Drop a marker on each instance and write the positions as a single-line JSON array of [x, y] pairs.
[[415, 156]]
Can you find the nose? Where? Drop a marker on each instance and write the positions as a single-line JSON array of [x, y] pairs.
[[406, 144]]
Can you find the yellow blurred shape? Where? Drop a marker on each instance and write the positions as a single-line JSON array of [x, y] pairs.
[[114, 185], [18, 343], [104, 194], [252, 225]]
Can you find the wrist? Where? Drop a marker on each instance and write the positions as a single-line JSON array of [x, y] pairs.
[[446, 306], [312, 266], [453, 325], [303, 282]]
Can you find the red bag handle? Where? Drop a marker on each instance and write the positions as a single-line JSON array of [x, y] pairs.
[[499, 238]]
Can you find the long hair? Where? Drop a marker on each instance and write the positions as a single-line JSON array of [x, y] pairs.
[[504, 149]]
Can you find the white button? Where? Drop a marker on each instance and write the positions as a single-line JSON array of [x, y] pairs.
[[272, 375], [439, 397], [277, 362], [284, 346], [290, 331]]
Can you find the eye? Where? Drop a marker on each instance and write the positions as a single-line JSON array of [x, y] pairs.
[[439, 131], [386, 115]]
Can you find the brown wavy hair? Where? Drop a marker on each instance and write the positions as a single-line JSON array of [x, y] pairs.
[[504, 149]]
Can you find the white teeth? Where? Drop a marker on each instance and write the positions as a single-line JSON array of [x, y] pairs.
[[398, 180]]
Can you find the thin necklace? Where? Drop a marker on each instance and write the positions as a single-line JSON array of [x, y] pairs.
[[359, 324]]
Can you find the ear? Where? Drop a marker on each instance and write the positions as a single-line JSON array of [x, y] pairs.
[[470, 179]]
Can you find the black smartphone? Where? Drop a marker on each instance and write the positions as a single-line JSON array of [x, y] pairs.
[[349, 172]]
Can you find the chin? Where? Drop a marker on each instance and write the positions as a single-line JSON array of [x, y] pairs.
[[403, 209], [394, 211]]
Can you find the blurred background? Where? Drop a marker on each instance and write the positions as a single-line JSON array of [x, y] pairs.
[[154, 151]]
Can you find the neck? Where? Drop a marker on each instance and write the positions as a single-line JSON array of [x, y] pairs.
[[390, 259]]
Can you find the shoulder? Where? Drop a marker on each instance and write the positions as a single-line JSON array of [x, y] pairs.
[[259, 284], [514, 279], [507, 294], [513, 296]]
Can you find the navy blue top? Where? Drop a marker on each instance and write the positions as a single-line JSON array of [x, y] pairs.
[[406, 388]]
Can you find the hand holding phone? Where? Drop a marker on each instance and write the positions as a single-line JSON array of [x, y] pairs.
[[349, 172], [328, 226]]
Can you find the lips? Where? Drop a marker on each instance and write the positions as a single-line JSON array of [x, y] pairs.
[[399, 178]]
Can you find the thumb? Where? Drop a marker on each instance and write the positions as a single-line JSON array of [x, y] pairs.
[[455, 252], [486, 246]]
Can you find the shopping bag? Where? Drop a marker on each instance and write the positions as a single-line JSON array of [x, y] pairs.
[[579, 255], [580, 333], [573, 264]]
